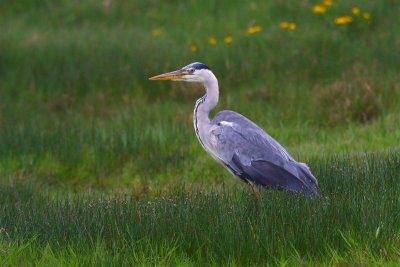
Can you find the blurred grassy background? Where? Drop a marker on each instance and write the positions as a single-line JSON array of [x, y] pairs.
[[77, 113], [77, 110]]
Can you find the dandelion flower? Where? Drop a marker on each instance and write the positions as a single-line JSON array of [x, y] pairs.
[[343, 20], [212, 41], [366, 16], [284, 25], [228, 39], [288, 25], [156, 32], [327, 3], [319, 9], [355, 10], [254, 29], [193, 48]]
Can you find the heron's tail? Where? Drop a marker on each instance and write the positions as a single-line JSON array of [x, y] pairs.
[[296, 179], [309, 179]]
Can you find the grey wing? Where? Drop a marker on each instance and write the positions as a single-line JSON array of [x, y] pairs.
[[254, 156]]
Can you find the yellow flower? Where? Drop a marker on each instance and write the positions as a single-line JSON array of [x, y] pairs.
[[366, 16], [254, 29], [343, 20], [212, 41], [156, 32], [355, 10], [327, 3], [319, 9], [288, 25], [284, 25], [193, 48], [228, 39]]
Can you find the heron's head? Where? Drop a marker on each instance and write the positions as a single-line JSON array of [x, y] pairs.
[[194, 72]]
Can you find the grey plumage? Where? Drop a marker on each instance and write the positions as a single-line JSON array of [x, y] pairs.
[[240, 145], [255, 157]]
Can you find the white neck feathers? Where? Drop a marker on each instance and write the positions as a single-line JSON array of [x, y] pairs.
[[205, 104]]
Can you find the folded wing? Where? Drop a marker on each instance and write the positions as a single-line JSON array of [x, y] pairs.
[[255, 157]]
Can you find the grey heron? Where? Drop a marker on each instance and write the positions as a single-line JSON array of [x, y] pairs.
[[242, 147]]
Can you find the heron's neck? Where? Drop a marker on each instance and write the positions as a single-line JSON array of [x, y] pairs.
[[205, 104]]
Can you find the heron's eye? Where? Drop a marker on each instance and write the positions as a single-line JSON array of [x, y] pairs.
[[190, 71]]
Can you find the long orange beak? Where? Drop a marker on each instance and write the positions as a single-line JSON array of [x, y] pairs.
[[174, 75]]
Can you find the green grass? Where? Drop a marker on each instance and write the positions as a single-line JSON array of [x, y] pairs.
[[356, 221], [87, 143], [152, 146]]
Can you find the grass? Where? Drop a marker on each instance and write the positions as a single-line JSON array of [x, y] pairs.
[[116, 153], [99, 166], [357, 215]]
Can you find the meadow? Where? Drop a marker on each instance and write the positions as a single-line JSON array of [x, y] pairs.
[[99, 166]]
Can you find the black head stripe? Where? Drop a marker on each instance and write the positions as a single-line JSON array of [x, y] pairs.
[[199, 66]]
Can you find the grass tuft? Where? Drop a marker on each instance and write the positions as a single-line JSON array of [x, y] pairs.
[[353, 98]]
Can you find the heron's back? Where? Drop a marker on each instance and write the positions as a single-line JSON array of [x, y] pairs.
[[252, 155]]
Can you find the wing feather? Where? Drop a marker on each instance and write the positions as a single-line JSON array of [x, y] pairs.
[[255, 156]]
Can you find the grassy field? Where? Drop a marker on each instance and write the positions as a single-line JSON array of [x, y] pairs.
[[356, 222], [100, 166]]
